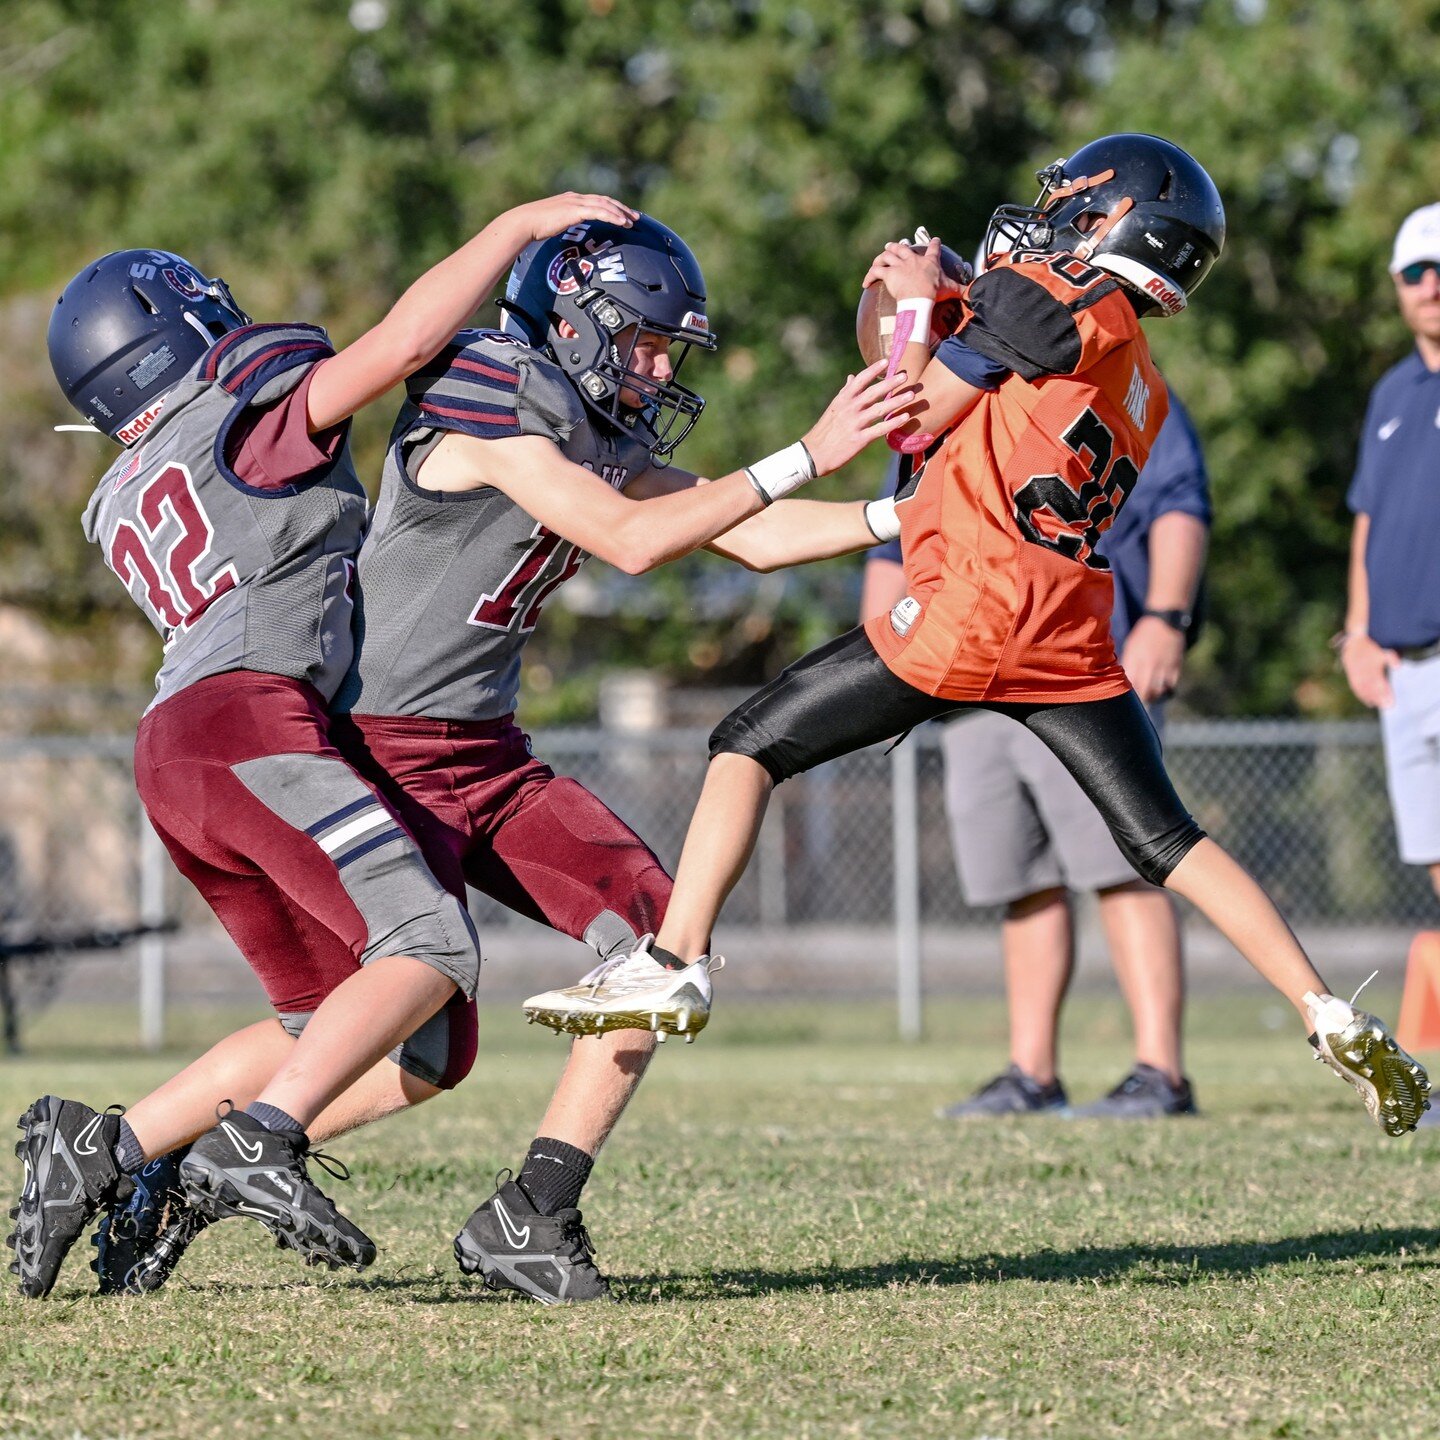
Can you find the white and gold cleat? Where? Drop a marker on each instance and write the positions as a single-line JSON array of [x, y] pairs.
[[632, 991], [1360, 1049]]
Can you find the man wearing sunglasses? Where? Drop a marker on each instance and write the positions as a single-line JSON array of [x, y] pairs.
[[1390, 646]]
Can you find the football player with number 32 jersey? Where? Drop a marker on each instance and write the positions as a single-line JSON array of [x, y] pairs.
[[233, 518], [1023, 445]]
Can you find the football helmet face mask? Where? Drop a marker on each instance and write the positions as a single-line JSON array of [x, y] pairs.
[[128, 327], [619, 290], [1135, 205]]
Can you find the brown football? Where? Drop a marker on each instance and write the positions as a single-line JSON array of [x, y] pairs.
[[875, 315]]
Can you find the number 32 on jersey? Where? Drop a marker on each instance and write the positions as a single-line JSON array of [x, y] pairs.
[[158, 562]]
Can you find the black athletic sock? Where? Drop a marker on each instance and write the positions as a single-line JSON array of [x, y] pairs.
[[129, 1153], [272, 1117], [665, 958], [554, 1174]]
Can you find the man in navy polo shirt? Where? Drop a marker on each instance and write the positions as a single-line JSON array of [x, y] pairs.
[[1390, 646], [1024, 832]]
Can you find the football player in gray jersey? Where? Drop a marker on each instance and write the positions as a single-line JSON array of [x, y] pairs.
[[517, 455], [233, 518]]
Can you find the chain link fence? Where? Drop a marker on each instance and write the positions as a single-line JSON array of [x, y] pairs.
[[851, 855]]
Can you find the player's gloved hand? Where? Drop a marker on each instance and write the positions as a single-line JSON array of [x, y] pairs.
[[868, 406], [542, 218], [1367, 668]]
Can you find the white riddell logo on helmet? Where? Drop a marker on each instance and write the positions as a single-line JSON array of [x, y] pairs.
[[132, 430], [1137, 399], [1391, 426]]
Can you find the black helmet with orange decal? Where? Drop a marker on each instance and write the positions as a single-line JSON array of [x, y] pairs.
[[1135, 205]]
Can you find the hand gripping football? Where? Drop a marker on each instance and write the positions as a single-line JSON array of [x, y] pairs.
[[875, 315]]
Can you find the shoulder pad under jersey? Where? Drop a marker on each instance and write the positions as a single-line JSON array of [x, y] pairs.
[[491, 386], [255, 362], [1046, 314]]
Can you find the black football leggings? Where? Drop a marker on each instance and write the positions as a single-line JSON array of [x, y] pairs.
[[843, 697]]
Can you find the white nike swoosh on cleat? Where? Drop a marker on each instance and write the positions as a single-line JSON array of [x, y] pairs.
[[518, 1238], [85, 1140], [243, 1148]]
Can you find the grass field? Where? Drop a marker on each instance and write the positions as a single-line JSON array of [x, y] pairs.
[[803, 1250]]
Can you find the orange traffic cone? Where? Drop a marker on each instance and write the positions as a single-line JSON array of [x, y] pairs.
[[1419, 1027]]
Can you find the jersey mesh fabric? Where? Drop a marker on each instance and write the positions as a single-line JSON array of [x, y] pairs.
[[234, 577], [1006, 596], [451, 584]]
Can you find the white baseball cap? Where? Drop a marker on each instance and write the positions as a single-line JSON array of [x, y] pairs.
[[1418, 238]]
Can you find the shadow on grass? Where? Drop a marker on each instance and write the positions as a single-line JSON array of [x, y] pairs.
[[1173, 1266], [1164, 1265]]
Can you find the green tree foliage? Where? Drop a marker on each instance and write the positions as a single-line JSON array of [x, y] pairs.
[[320, 157], [1320, 121]]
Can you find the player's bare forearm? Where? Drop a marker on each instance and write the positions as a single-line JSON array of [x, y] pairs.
[[429, 313], [635, 531], [795, 532], [941, 397]]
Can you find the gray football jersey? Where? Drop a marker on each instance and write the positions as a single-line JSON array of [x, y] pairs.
[[232, 576], [451, 584]]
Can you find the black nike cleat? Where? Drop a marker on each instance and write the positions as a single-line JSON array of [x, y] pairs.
[[241, 1168], [512, 1246], [140, 1243], [68, 1151]]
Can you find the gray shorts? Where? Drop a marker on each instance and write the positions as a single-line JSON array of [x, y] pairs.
[[1018, 820], [1411, 730]]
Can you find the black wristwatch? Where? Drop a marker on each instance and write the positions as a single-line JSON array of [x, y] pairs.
[[1180, 620]]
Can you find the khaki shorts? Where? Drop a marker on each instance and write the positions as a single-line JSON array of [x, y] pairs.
[[1019, 822]]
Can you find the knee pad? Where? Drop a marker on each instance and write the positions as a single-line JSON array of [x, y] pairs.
[[1155, 859], [442, 936], [442, 1051], [737, 734]]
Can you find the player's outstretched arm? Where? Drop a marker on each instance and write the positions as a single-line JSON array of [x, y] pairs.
[[648, 525], [429, 313], [797, 532]]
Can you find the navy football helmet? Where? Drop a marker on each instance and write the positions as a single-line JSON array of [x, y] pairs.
[[128, 327], [600, 279], [1135, 205]]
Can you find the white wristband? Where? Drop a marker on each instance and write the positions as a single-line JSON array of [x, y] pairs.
[[881, 517], [777, 475], [922, 309]]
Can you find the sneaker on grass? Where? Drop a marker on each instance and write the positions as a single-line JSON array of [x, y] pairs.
[[139, 1243], [633, 991], [1144, 1094], [1360, 1049], [68, 1151], [1011, 1092], [512, 1246], [242, 1168]]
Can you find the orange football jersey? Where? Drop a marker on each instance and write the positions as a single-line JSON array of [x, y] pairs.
[[1006, 597]]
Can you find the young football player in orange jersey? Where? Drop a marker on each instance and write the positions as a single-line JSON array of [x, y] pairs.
[[1032, 423]]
